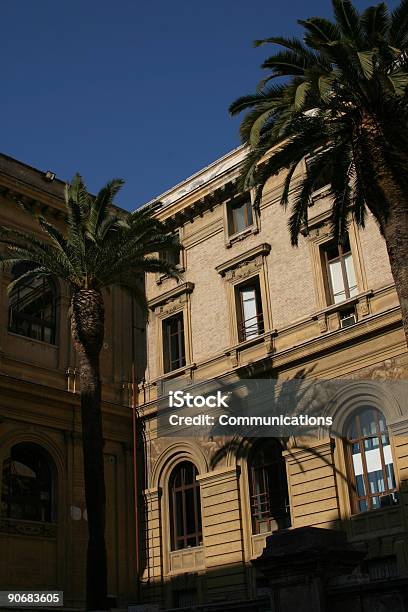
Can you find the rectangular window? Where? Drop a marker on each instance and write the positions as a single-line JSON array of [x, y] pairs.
[[173, 343], [340, 277], [322, 181], [249, 310], [173, 256], [240, 216]]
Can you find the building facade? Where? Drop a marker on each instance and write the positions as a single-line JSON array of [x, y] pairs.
[[43, 530], [248, 305], [232, 522]]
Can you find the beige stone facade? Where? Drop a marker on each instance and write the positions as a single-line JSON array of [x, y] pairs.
[[302, 331], [39, 409], [200, 327]]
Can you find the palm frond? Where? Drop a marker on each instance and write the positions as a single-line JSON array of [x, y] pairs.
[[38, 272], [319, 32], [375, 23], [398, 33], [99, 208], [347, 19]]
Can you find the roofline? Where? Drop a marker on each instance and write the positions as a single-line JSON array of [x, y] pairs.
[[41, 172], [194, 176]]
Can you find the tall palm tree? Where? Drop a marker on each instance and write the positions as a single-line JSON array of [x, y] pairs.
[[101, 247], [341, 101]]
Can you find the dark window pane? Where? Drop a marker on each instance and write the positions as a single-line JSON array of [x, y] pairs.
[[27, 484], [268, 488], [173, 343], [32, 310]]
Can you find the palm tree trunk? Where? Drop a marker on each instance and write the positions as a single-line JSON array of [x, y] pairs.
[[87, 326], [395, 232], [388, 203]]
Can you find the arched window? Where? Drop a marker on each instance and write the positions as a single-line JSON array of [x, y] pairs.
[[28, 484], [185, 507], [270, 507], [370, 465], [33, 310]]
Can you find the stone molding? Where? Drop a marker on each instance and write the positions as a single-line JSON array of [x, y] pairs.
[[244, 264], [171, 300]]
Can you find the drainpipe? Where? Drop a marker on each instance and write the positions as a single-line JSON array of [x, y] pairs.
[[135, 466]]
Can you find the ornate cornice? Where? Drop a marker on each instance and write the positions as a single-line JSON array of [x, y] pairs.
[[171, 297], [186, 212]]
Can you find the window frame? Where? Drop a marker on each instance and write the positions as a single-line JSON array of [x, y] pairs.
[[231, 232], [14, 315], [319, 235], [197, 534], [342, 254], [259, 515], [49, 463], [167, 256], [322, 189], [255, 283], [355, 499], [232, 206], [167, 343]]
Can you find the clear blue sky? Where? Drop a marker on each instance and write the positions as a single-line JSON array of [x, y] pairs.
[[132, 88]]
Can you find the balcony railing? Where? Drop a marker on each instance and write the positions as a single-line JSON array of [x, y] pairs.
[[251, 328]]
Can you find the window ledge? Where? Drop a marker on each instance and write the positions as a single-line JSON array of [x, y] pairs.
[[247, 343], [321, 193], [187, 369], [375, 512], [360, 302], [28, 339], [248, 231], [163, 277], [186, 560], [343, 305], [233, 351], [21, 527]]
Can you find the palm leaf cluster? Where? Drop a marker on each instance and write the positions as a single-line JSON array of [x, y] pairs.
[[100, 247], [339, 98]]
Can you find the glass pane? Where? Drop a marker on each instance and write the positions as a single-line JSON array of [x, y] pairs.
[[360, 486], [249, 213], [351, 277], [190, 513], [375, 502], [337, 283], [27, 484], [376, 482], [250, 322], [371, 443], [32, 306], [368, 423], [241, 216], [390, 476], [179, 514]]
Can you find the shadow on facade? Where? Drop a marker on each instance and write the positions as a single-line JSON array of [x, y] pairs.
[[358, 564]]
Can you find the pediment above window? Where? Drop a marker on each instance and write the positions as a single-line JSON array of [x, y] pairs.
[[173, 299], [244, 264]]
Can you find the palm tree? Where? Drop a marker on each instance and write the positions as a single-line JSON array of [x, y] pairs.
[[100, 248], [341, 101]]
